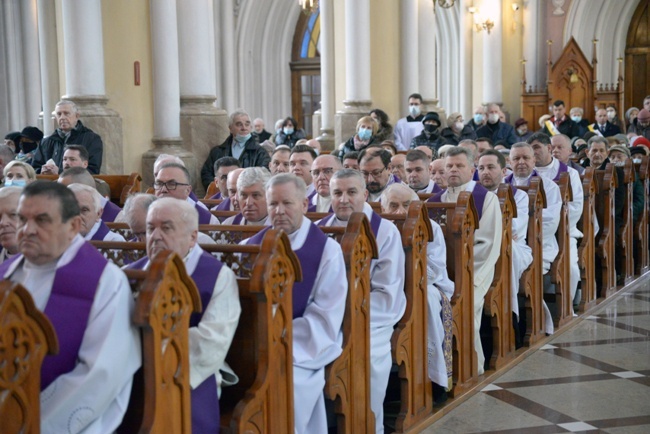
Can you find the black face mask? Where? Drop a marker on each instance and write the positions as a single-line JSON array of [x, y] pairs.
[[28, 147], [431, 129]]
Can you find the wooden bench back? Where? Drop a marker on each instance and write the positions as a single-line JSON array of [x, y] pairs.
[[561, 267], [641, 257], [459, 221], [531, 283], [498, 301], [626, 235], [166, 298], [606, 183], [587, 247], [26, 337]]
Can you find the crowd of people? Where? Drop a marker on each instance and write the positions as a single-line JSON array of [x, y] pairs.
[[273, 180]]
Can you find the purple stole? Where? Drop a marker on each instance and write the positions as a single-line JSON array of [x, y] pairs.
[[475, 176], [204, 214], [563, 168], [224, 205], [193, 197], [375, 221], [102, 231], [510, 179], [204, 398], [68, 308], [216, 196], [238, 219], [110, 212], [310, 255], [311, 195], [478, 194]]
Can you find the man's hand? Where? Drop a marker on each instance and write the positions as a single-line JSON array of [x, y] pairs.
[[49, 169]]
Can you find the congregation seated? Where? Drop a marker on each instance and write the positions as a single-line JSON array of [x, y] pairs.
[[8, 222], [300, 161], [280, 160], [560, 123], [562, 151], [322, 170], [18, 174], [77, 156], [387, 298], [396, 199], [230, 203], [222, 167], [396, 166], [373, 164], [417, 173], [173, 225], [318, 301], [459, 167], [79, 175], [86, 387], [251, 197], [92, 227], [437, 172], [495, 129]]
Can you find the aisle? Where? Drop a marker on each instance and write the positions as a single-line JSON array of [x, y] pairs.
[[592, 378]]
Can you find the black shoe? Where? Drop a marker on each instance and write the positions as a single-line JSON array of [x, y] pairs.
[[439, 394]]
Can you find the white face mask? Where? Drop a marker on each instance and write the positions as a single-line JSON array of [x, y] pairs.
[[459, 126], [493, 118], [611, 114], [414, 110], [636, 160]]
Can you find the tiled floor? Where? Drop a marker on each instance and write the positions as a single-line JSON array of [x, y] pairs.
[[593, 378]]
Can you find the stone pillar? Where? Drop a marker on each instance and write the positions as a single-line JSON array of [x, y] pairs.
[[326, 115], [492, 49], [49, 62], [357, 69], [466, 23], [409, 48], [228, 69], [166, 90], [31, 63], [531, 42], [427, 59], [10, 15], [202, 124], [84, 77]]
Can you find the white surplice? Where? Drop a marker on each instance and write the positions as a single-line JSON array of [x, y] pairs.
[[93, 397], [405, 131], [110, 236], [522, 254]]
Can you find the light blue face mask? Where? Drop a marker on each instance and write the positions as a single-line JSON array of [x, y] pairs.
[[15, 183], [364, 134], [576, 118], [242, 139], [288, 131], [478, 118]]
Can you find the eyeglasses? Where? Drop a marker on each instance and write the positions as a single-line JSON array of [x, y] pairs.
[[328, 171], [169, 185], [375, 173]]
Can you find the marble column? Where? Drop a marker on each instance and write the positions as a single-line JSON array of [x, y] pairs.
[[409, 49], [229, 64], [49, 62], [534, 46], [166, 89], [84, 77], [427, 58], [202, 124], [326, 137], [357, 68], [466, 46], [492, 51], [10, 14], [31, 63]]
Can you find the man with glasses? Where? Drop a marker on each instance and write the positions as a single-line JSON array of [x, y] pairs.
[[373, 163], [300, 161], [321, 172], [173, 180]]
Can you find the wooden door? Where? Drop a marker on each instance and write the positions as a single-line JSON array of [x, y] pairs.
[[637, 57]]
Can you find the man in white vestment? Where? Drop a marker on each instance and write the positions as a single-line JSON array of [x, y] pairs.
[[86, 387], [459, 168], [8, 222], [173, 225], [396, 199], [411, 125], [550, 168], [251, 196], [322, 170], [492, 170], [318, 301], [92, 227], [522, 159], [387, 298]]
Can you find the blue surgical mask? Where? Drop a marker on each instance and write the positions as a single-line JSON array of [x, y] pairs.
[[414, 110], [576, 118], [364, 134], [15, 183], [288, 131], [478, 118], [242, 139]]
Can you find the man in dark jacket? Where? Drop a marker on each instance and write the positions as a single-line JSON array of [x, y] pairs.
[[560, 122], [70, 132], [641, 125], [241, 144], [430, 135], [495, 129]]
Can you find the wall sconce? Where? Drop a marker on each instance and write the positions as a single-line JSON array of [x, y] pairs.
[[480, 24]]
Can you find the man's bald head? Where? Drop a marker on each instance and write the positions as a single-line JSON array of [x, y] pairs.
[[77, 175], [397, 198]]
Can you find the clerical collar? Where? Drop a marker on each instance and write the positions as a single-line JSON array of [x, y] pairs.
[[457, 190], [521, 181]]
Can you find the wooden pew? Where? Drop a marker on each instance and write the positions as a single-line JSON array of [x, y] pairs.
[[498, 301], [348, 377], [211, 191], [641, 256], [458, 222], [160, 396], [606, 182], [587, 247], [26, 337], [531, 283], [560, 271], [627, 231], [409, 340]]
